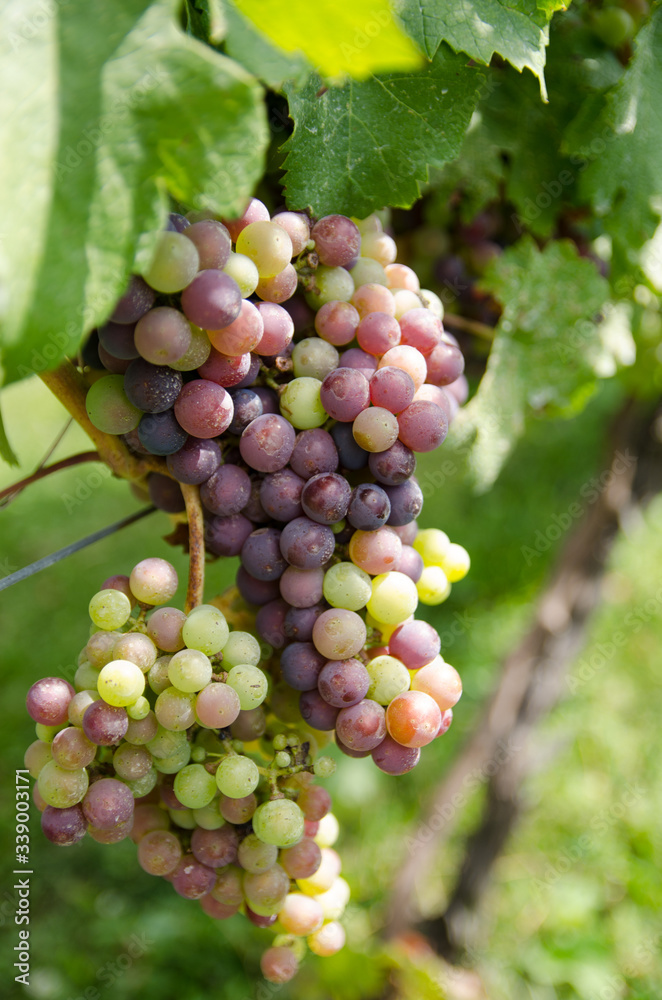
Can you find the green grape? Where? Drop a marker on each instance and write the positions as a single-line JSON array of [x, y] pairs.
[[194, 786], [209, 818], [79, 703], [432, 302], [241, 647], [174, 763], [206, 630], [139, 709], [433, 586], [237, 776], [108, 406], [394, 598], [174, 265], [282, 759], [36, 755], [197, 353], [347, 586], [432, 544], [175, 709], [110, 609], [324, 767], [255, 856], [166, 743], [143, 786], [120, 683], [190, 670], [456, 563], [47, 733], [60, 788], [266, 891], [157, 677], [314, 357], [301, 404], [268, 246], [367, 271], [279, 822], [250, 683], [183, 818], [334, 284], [280, 741], [389, 677], [198, 754], [245, 273], [86, 677]]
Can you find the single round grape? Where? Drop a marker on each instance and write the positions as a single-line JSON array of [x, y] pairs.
[[301, 404], [352, 456], [109, 407], [255, 856], [237, 776], [204, 409], [159, 852], [137, 648], [392, 388], [191, 879], [315, 802], [225, 536], [194, 786], [325, 498], [257, 592], [336, 322], [375, 429], [406, 502], [205, 630], [228, 886], [278, 329], [339, 634], [141, 731], [405, 301], [154, 581], [118, 340], [367, 271], [328, 830], [71, 749], [337, 241], [394, 465], [394, 598], [298, 623], [343, 683], [63, 827], [48, 700], [217, 706], [242, 335], [166, 743], [445, 364], [242, 270], [362, 726], [241, 647], [268, 245], [415, 643], [347, 586], [314, 451], [422, 426], [36, 755], [60, 787], [131, 762], [237, 811], [212, 300], [314, 357], [332, 284], [279, 822], [261, 555], [302, 860], [279, 965], [280, 495], [306, 544], [265, 892], [163, 336], [160, 433], [345, 392], [190, 670], [301, 588], [164, 627], [401, 276], [369, 508], [379, 247], [174, 709], [108, 802], [110, 609], [267, 442], [301, 914], [328, 940], [105, 724], [250, 683], [389, 677], [297, 227], [120, 683], [316, 711], [224, 370], [407, 358], [182, 818], [413, 719], [433, 586], [134, 303], [377, 333], [300, 664], [174, 265], [212, 241], [438, 679], [456, 563]]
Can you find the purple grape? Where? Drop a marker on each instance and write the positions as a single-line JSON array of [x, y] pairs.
[[267, 443], [249, 725], [422, 425], [345, 392], [226, 535], [47, 701], [254, 510], [392, 758], [416, 643], [280, 495], [247, 407], [270, 623], [302, 588], [261, 555], [361, 360], [212, 300], [269, 398], [118, 340], [393, 466], [343, 683], [300, 665], [306, 544], [152, 388], [392, 388], [325, 498], [225, 370], [445, 364], [160, 433], [317, 712], [227, 491], [204, 409], [314, 451], [114, 365], [215, 848], [299, 621], [406, 502], [337, 241], [349, 751], [107, 803], [362, 726], [165, 493], [352, 456], [177, 223], [195, 462], [137, 300], [212, 241], [133, 441], [191, 879], [251, 375], [254, 591], [411, 563], [63, 827], [259, 921], [369, 507]]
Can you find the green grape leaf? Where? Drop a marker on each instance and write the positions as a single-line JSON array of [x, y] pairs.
[[257, 54], [547, 353], [338, 39], [108, 110], [205, 20], [365, 145], [514, 29], [621, 147]]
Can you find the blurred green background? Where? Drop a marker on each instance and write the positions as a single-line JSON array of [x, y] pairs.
[[575, 909]]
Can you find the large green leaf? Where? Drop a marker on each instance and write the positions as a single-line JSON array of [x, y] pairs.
[[547, 353], [109, 109], [513, 29], [259, 56], [338, 39], [621, 147], [370, 144]]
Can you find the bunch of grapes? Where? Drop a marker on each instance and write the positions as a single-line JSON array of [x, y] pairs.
[[165, 739]]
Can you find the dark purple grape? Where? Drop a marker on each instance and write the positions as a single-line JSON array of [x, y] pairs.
[[251, 375], [254, 510], [118, 340], [350, 454], [299, 621], [63, 827], [160, 433], [270, 623], [369, 508], [227, 491], [226, 535], [261, 555], [259, 921], [90, 351], [306, 544], [152, 388], [247, 407], [300, 665], [343, 682], [137, 300], [314, 451], [212, 300], [406, 502], [392, 758], [107, 803], [393, 466], [317, 712], [177, 223], [195, 462], [133, 441], [268, 396], [325, 498], [114, 365], [165, 493], [344, 393], [280, 495], [254, 591]]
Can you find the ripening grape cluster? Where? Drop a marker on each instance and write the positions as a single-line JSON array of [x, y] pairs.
[[165, 738]]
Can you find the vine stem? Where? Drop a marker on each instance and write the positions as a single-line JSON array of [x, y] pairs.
[[465, 325], [64, 463], [196, 542]]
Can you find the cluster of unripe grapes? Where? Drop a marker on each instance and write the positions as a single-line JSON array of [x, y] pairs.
[[165, 738]]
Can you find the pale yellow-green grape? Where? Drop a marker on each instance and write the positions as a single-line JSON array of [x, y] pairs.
[[388, 678], [314, 357], [209, 818], [175, 709], [432, 302], [241, 647], [268, 246], [139, 709], [334, 284], [433, 586], [279, 822], [347, 586], [47, 733], [36, 755], [86, 677], [432, 544], [197, 353], [120, 683], [143, 786], [328, 940], [190, 670], [194, 786], [183, 818], [237, 776], [404, 301], [379, 247], [245, 273], [110, 609], [394, 598], [175, 263], [60, 788], [174, 763], [250, 684], [456, 562], [327, 831], [205, 629], [371, 224], [301, 404], [335, 899], [367, 271]]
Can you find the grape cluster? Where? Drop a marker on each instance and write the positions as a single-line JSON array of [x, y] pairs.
[[166, 738]]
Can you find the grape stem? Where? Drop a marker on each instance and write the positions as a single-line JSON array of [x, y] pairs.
[[465, 325], [46, 470], [196, 542]]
